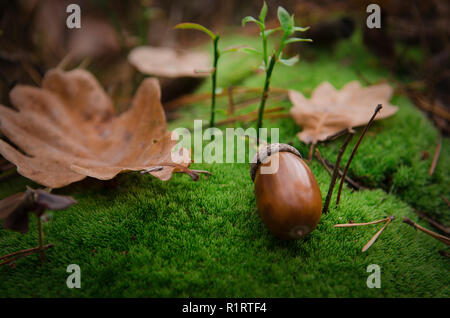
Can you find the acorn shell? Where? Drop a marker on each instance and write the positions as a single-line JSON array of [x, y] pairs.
[[289, 201]]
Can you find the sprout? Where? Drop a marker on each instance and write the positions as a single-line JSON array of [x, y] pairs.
[[287, 26], [215, 38]]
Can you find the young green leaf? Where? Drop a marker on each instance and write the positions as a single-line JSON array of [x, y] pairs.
[[286, 21], [233, 48], [263, 13], [250, 50], [270, 31], [300, 29], [289, 62], [195, 26], [292, 40], [251, 19]]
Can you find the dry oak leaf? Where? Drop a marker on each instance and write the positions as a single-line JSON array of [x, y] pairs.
[[168, 62], [67, 130], [329, 111]]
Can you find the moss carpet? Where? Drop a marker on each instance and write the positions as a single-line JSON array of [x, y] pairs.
[[136, 236]]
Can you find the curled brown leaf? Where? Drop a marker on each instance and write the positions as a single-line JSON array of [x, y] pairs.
[[67, 130]]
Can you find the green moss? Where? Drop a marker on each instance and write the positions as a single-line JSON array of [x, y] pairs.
[[138, 236]]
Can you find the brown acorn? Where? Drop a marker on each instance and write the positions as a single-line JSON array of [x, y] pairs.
[[288, 198]]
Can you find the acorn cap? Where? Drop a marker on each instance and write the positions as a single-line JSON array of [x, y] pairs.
[[268, 150]]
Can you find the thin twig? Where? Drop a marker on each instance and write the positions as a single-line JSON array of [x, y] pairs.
[[442, 238], [436, 154], [311, 151], [445, 200], [363, 78], [25, 251], [374, 238], [237, 90], [41, 239], [32, 72], [65, 61], [355, 185], [336, 167], [322, 162], [377, 109], [248, 116], [17, 255], [432, 222], [336, 135], [361, 224]]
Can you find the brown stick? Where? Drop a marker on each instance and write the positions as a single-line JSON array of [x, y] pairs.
[[442, 238], [41, 239], [355, 185], [311, 151], [374, 238], [336, 135], [432, 222], [322, 162], [193, 98], [377, 109], [19, 254], [25, 251], [330, 167], [247, 117], [436, 154], [361, 224], [335, 171], [445, 200]]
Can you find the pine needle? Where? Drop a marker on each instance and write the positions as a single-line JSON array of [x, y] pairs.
[[374, 238], [361, 224]]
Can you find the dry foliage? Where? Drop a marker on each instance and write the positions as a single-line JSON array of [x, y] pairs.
[[68, 130], [167, 62], [329, 111], [15, 209]]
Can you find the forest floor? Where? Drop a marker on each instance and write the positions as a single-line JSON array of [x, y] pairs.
[[137, 236]]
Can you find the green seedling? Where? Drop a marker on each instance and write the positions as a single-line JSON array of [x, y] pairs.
[[215, 38], [288, 28]]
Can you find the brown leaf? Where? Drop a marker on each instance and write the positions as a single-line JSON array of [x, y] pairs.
[[67, 130], [51, 201], [15, 208], [329, 111], [167, 62], [14, 211]]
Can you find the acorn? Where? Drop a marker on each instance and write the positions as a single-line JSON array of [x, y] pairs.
[[288, 197]]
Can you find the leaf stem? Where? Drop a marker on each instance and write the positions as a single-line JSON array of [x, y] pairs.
[[377, 109], [214, 80], [41, 238], [264, 95], [10, 258]]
